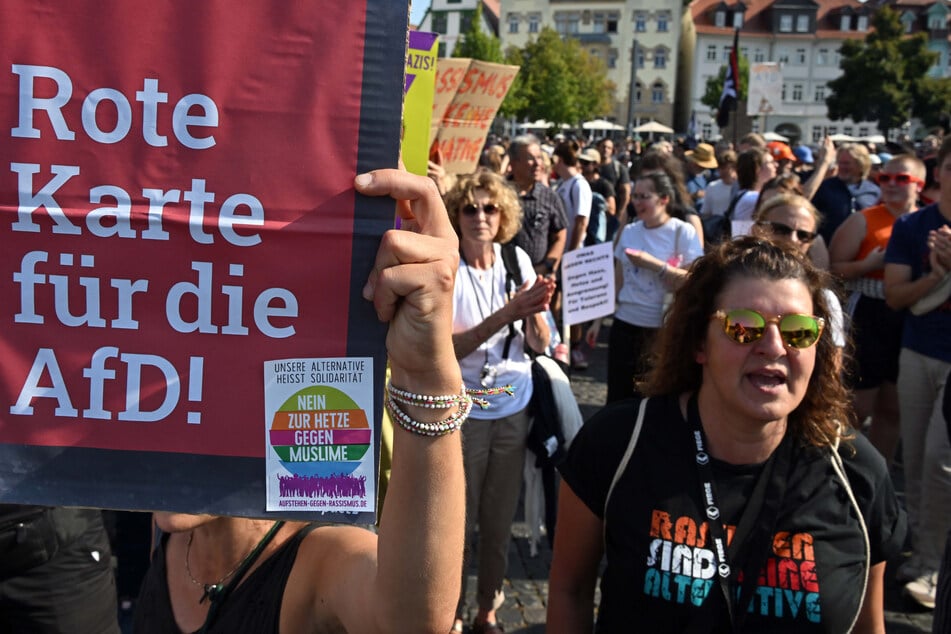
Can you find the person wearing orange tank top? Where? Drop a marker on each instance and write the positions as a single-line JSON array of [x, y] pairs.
[[857, 255]]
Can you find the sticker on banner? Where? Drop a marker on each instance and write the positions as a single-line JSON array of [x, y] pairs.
[[319, 435]]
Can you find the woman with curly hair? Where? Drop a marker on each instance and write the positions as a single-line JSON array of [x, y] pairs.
[[493, 320], [733, 497]]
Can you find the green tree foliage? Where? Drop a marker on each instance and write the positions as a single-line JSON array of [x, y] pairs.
[[884, 78], [558, 80], [477, 44], [711, 96]]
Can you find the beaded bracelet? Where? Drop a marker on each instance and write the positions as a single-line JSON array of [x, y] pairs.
[[439, 428], [425, 400]]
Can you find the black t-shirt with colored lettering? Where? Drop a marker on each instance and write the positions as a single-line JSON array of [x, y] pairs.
[[661, 570]]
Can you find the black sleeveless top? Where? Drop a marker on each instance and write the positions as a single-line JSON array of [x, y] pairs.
[[254, 606]]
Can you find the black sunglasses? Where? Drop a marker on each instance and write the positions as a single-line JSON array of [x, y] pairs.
[[488, 209], [785, 230]]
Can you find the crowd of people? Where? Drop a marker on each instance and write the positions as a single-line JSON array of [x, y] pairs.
[[875, 319], [763, 381]]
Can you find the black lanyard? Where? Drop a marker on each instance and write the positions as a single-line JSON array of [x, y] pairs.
[[749, 548]]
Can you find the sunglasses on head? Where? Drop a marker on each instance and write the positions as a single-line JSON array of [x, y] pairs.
[[488, 209], [786, 231], [744, 325], [899, 179]]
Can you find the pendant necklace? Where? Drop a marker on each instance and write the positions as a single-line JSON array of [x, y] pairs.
[[213, 591]]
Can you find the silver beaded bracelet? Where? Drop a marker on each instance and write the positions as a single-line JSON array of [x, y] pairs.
[[439, 428]]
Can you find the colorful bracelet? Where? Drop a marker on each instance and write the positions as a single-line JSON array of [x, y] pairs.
[[476, 393], [439, 428]]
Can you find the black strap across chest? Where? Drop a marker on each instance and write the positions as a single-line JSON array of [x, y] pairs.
[[740, 562]]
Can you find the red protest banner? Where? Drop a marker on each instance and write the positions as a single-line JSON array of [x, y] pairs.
[[177, 209]]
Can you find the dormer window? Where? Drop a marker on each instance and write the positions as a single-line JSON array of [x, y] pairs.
[[737, 19], [937, 22], [845, 23], [908, 21], [785, 23], [719, 18], [861, 23], [802, 24]]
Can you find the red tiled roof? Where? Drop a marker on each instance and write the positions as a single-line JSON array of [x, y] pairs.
[[756, 18]]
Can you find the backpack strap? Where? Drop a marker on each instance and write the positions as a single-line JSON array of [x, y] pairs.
[[513, 280], [622, 466]]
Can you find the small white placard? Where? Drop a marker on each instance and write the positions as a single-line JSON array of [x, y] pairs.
[[587, 283]]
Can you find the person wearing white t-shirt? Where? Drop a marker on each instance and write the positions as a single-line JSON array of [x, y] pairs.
[[754, 167], [651, 260], [719, 193], [494, 319], [574, 191]]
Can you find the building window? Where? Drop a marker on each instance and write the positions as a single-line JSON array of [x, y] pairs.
[[937, 22], [638, 92], [863, 131], [797, 92], [712, 53], [725, 56], [820, 96], [612, 59], [832, 130], [442, 49], [662, 19], [785, 23], [513, 24], [802, 24], [822, 57], [719, 18], [533, 23], [465, 21], [861, 23], [599, 24], [737, 19], [800, 56], [783, 56], [657, 93], [640, 57], [754, 125], [440, 22], [847, 129], [566, 23], [660, 58], [640, 22], [612, 19], [816, 134], [706, 130], [845, 23], [759, 55], [908, 21], [783, 97]]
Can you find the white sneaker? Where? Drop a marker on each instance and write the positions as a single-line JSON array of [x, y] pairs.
[[923, 589]]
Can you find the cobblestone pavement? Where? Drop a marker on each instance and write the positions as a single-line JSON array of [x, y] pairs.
[[526, 586]]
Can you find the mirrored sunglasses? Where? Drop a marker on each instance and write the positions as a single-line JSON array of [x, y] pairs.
[[488, 209], [786, 231], [899, 179], [744, 325]]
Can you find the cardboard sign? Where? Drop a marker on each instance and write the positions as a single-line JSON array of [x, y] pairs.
[[176, 210], [588, 283], [468, 96], [417, 109], [766, 89]]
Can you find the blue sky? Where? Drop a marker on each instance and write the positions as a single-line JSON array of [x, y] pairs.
[[419, 8]]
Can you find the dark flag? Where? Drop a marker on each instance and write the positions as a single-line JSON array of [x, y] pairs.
[[731, 85]]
